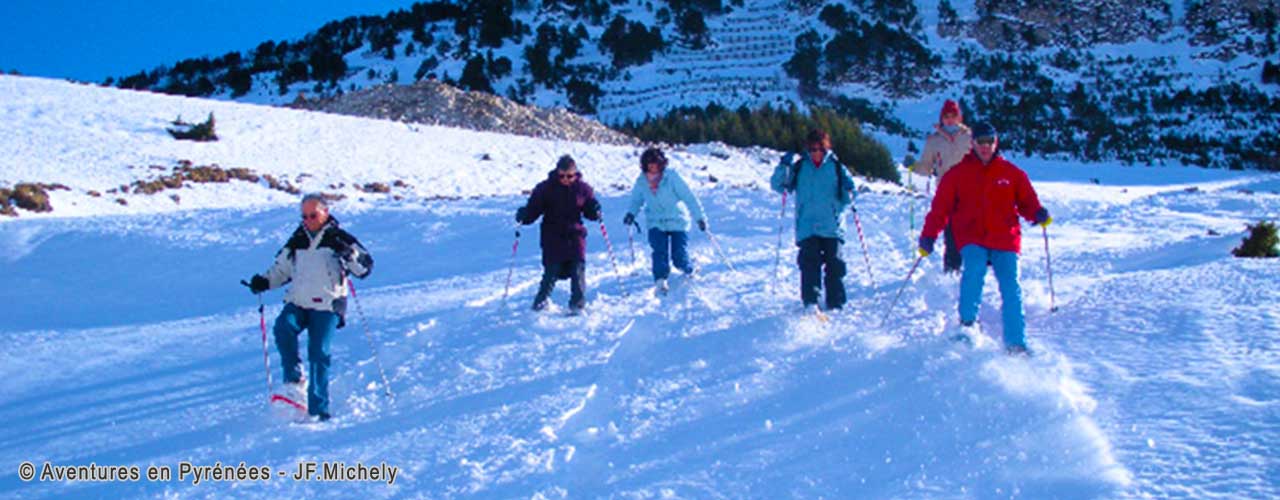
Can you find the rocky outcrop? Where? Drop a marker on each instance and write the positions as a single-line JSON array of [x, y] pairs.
[[435, 103], [1026, 24]]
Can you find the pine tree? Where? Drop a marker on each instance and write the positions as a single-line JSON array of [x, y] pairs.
[[473, 76], [1261, 242]]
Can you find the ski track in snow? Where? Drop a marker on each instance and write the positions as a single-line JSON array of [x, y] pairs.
[[127, 339]]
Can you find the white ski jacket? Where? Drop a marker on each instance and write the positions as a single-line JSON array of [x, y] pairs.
[[316, 268]]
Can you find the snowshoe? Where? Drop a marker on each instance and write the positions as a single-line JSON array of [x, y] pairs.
[[660, 288], [813, 310], [292, 395]]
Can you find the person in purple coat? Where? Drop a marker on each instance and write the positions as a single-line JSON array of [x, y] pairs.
[[562, 201]]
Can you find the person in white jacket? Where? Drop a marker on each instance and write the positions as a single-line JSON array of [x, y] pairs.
[[950, 141], [315, 263], [669, 206]]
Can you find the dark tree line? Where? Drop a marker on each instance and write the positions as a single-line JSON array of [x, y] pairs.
[[779, 129], [1109, 117]]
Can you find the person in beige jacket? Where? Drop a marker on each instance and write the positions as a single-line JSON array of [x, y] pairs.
[[943, 149]]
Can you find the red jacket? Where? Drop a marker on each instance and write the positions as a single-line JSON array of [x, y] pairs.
[[983, 203]]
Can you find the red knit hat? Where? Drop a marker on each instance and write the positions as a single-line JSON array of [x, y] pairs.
[[950, 107]]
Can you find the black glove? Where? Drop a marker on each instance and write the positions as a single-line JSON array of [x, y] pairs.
[[702, 225], [629, 219], [342, 249], [591, 210], [926, 245], [853, 208], [1042, 217], [520, 213], [259, 284]]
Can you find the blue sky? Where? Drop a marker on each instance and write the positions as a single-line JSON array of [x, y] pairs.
[[91, 40]]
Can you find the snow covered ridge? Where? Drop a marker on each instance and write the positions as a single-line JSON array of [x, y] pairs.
[[110, 150]]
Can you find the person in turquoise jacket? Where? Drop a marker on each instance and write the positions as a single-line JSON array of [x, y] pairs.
[[823, 190], [668, 204]]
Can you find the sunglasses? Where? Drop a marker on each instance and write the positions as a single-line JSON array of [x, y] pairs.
[[985, 141], [568, 176], [311, 216]]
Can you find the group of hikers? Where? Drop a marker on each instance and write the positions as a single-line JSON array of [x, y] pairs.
[[980, 196]]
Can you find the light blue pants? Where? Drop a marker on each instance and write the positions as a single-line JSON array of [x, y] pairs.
[[1005, 264]]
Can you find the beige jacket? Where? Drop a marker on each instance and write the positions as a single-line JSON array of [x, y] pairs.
[[942, 151]]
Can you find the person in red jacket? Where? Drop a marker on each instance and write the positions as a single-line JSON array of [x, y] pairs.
[[982, 198]]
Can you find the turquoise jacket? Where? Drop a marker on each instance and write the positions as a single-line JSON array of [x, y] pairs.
[[820, 196], [663, 209]]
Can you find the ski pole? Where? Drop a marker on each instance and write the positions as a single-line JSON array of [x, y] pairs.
[[866, 255], [1048, 266], [386, 385], [262, 323], [782, 217], [888, 312], [631, 247], [715, 244], [639, 230], [510, 269], [608, 246], [911, 186], [266, 358]]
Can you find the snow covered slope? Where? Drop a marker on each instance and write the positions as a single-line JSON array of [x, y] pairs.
[[97, 139], [127, 340]]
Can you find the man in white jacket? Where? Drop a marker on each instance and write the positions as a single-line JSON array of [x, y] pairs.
[[316, 261]]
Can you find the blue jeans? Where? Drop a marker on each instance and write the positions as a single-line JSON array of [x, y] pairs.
[[1005, 265], [320, 326], [678, 242]]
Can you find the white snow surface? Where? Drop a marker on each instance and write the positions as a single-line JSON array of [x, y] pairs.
[[127, 340]]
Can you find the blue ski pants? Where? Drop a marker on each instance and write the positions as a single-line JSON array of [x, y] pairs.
[[669, 247], [1005, 265]]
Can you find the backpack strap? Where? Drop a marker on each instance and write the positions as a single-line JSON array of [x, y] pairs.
[[839, 179]]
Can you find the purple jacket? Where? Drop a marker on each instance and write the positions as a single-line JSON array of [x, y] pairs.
[[562, 208]]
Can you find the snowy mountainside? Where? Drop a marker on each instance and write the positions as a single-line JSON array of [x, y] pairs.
[[127, 339], [1185, 81], [99, 140]]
